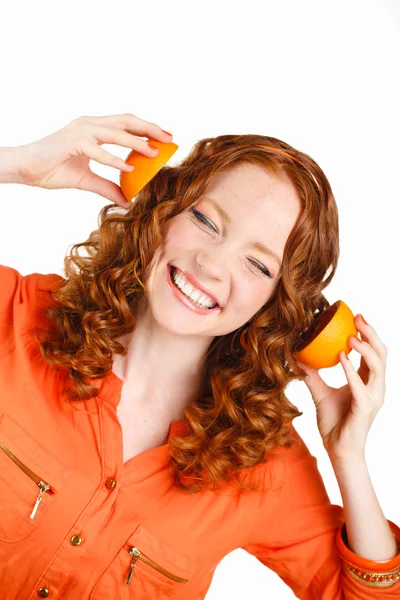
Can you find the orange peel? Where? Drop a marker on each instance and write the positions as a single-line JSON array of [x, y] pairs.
[[146, 167]]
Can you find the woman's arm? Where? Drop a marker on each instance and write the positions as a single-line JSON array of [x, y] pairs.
[[368, 532], [298, 533], [9, 163]]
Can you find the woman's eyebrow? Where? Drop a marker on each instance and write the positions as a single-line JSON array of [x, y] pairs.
[[257, 245], [224, 215]]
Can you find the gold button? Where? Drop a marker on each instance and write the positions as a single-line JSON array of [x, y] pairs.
[[110, 483], [76, 540], [43, 592]]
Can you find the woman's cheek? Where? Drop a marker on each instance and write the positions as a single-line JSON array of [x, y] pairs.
[[189, 236]]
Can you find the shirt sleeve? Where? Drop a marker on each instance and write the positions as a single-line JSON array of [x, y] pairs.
[[301, 536], [17, 295]]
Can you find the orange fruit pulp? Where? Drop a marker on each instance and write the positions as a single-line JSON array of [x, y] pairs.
[[328, 336], [146, 167]]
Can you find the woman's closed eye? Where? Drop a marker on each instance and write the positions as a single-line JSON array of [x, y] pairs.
[[200, 217]]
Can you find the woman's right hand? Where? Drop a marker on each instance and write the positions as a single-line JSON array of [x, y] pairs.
[[61, 159]]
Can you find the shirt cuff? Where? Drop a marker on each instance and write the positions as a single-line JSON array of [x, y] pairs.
[[369, 572]]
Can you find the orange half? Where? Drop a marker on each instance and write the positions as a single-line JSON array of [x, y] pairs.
[[322, 343], [146, 167]]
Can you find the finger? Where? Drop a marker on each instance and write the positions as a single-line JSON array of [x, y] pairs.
[[369, 334], [317, 386], [112, 135], [104, 157], [373, 361], [356, 384], [133, 124], [92, 182]]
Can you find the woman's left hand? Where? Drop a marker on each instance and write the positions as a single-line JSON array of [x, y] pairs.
[[345, 415]]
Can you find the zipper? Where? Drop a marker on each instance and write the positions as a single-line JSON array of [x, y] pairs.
[[43, 486], [137, 554]]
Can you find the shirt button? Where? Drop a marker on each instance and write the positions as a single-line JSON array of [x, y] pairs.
[[76, 540], [43, 592], [110, 483]]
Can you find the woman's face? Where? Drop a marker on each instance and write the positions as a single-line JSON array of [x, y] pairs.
[[221, 254]]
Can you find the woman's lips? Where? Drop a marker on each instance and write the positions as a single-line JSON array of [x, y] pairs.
[[184, 299], [193, 281]]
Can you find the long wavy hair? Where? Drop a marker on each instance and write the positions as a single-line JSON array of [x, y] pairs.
[[243, 413]]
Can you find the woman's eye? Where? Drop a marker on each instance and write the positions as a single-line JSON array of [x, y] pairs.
[[203, 219], [261, 268]]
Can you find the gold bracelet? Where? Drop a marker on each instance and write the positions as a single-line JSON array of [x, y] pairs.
[[373, 579]]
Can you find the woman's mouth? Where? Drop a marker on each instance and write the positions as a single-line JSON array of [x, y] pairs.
[[187, 294]]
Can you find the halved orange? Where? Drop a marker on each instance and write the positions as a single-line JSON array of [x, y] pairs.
[[322, 343], [146, 167]]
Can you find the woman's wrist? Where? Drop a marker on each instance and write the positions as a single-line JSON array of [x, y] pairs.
[[10, 159]]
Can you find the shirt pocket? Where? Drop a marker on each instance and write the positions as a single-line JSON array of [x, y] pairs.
[[145, 567], [30, 478]]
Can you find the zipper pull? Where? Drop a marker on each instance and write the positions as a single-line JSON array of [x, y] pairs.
[[135, 554], [43, 488]]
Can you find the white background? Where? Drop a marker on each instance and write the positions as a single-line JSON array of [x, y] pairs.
[[320, 75]]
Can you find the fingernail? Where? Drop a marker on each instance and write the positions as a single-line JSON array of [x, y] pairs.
[[152, 146], [167, 132], [364, 320]]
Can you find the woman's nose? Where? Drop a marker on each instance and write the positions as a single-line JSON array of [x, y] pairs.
[[212, 264]]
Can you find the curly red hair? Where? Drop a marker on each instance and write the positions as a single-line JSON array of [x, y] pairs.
[[244, 412]]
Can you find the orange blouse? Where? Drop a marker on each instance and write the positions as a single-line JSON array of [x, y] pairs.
[[78, 523]]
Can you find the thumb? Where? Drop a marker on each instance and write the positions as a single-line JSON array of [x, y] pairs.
[[307, 369], [314, 382], [104, 187]]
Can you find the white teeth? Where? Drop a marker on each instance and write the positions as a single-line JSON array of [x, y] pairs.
[[194, 294]]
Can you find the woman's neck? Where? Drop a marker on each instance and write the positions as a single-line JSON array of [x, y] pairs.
[[162, 367]]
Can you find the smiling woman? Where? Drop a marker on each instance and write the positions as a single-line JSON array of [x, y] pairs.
[[250, 229], [140, 440]]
